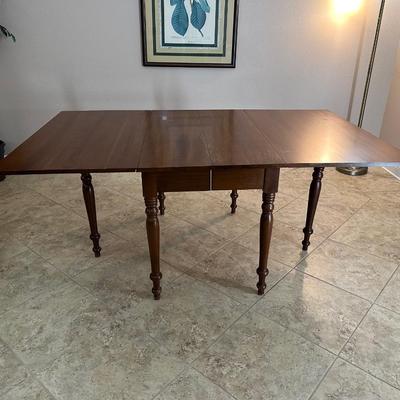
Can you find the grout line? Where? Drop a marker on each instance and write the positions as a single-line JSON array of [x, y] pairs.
[[330, 235], [365, 252], [31, 374], [206, 282], [227, 243], [365, 315], [170, 382], [215, 383], [70, 277], [247, 311], [84, 217], [352, 247], [213, 233], [293, 331], [219, 337], [354, 331], [30, 299], [334, 286], [367, 372], [371, 303], [218, 248], [217, 340], [61, 285], [181, 373], [58, 203], [356, 328], [322, 378], [387, 282], [386, 308], [297, 334]]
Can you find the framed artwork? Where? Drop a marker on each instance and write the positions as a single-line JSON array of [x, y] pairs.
[[189, 33]]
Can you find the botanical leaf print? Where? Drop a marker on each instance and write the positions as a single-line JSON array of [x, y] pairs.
[[204, 5], [198, 17], [180, 19]]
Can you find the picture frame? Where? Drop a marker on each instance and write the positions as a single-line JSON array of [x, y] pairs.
[[189, 33]]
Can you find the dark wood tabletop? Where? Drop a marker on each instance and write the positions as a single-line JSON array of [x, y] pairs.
[[198, 151], [119, 141]]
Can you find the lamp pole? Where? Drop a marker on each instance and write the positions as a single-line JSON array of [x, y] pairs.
[[6, 33], [357, 171]]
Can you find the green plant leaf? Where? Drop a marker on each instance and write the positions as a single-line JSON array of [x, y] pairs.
[[7, 33]]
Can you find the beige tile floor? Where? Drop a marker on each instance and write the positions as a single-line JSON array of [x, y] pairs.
[[76, 327]]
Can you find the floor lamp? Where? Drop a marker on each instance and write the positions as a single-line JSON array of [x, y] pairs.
[[357, 171], [6, 33]]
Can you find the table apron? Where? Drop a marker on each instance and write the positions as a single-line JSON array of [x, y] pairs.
[[215, 179]]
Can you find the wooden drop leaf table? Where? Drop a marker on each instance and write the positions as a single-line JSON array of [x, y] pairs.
[[205, 150]]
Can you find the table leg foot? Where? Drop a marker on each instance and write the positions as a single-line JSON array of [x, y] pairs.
[[96, 245], [90, 204], [156, 290], [234, 197], [314, 193], [266, 223], [261, 285], [153, 237], [161, 199]]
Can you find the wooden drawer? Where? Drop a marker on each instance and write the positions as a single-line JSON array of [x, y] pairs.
[[237, 178], [183, 181]]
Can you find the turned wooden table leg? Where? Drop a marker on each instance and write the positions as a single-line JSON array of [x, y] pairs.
[[161, 199], [90, 203], [265, 239], [271, 182], [149, 183], [234, 197], [313, 197]]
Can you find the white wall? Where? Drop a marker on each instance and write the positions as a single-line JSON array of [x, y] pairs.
[[384, 65], [390, 132], [86, 54], [391, 121]]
